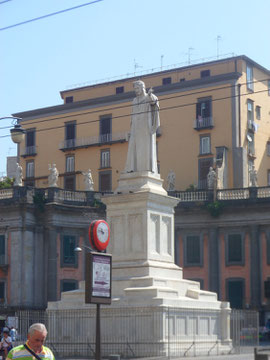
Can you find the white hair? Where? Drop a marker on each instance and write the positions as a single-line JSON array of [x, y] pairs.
[[139, 82], [37, 327]]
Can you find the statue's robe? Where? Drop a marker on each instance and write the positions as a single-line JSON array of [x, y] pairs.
[[142, 154]]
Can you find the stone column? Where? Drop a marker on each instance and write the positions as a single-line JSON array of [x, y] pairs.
[[213, 253], [51, 239], [255, 266]]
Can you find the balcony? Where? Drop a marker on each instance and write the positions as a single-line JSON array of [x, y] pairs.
[[203, 123], [252, 126], [93, 140], [29, 151]]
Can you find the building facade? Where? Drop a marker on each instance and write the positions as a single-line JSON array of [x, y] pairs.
[[222, 244], [39, 231], [214, 113]]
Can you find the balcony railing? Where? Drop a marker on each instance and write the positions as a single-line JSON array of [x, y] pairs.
[[203, 123], [29, 151], [93, 140], [56, 195]]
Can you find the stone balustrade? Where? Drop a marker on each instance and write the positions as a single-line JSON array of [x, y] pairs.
[[58, 195]]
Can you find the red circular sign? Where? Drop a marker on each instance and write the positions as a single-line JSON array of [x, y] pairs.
[[99, 234]]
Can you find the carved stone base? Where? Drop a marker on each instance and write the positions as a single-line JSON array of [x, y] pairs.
[[140, 181]]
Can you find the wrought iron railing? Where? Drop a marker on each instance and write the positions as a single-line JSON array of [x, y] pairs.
[[203, 122], [29, 150], [93, 140], [147, 331]]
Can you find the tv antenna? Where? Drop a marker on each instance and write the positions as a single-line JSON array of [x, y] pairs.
[[161, 61], [218, 38], [136, 66]]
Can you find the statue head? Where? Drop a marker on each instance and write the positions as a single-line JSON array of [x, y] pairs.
[[139, 87]]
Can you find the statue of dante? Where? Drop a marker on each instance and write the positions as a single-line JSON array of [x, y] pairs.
[[142, 154]]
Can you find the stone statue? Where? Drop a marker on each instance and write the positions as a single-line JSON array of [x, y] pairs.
[[171, 181], [144, 123], [18, 175], [211, 179], [88, 180], [253, 180], [53, 177]]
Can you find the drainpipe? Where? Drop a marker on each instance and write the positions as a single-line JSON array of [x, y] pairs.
[[239, 114]]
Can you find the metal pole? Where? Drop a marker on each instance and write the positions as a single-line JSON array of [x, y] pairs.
[[98, 355]]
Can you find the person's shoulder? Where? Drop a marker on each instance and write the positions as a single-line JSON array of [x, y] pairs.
[[48, 352], [17, 352]]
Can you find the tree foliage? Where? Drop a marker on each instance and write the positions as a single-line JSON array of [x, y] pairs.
[[6, 183]]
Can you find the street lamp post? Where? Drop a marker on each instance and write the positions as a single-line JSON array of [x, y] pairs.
[[17, 133]]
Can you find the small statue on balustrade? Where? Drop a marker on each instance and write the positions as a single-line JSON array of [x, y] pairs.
[[253, 179], [171, 181], [18, 176], [88, 180], [53, 176], [211, 179]]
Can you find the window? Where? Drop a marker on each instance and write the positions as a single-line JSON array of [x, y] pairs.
[[250, 111], [205, 73], [30, 137], [119, 90], [70, 134], [234, 250], [268, 177], [258, 112], [204, 165], [30, 169], [69, 256], [166, 81], [235, 292], [70, 182], [249, 77], [205, 147], [69, 99], [182, 79], [70, 163], [30, 173], [30, 142], [2, 292], [2, 250], [193, 251], [203, 109], [105, 158], [105, 128], [68, 285], [105, 181]]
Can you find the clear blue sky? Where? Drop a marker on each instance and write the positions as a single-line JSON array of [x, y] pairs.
[[99, 41]]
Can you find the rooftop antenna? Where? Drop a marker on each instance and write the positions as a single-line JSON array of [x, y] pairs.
[[136, 66], [189, 54], [218, 38], [161, 61]]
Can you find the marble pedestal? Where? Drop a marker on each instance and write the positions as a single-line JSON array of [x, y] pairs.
[[141, 219]]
